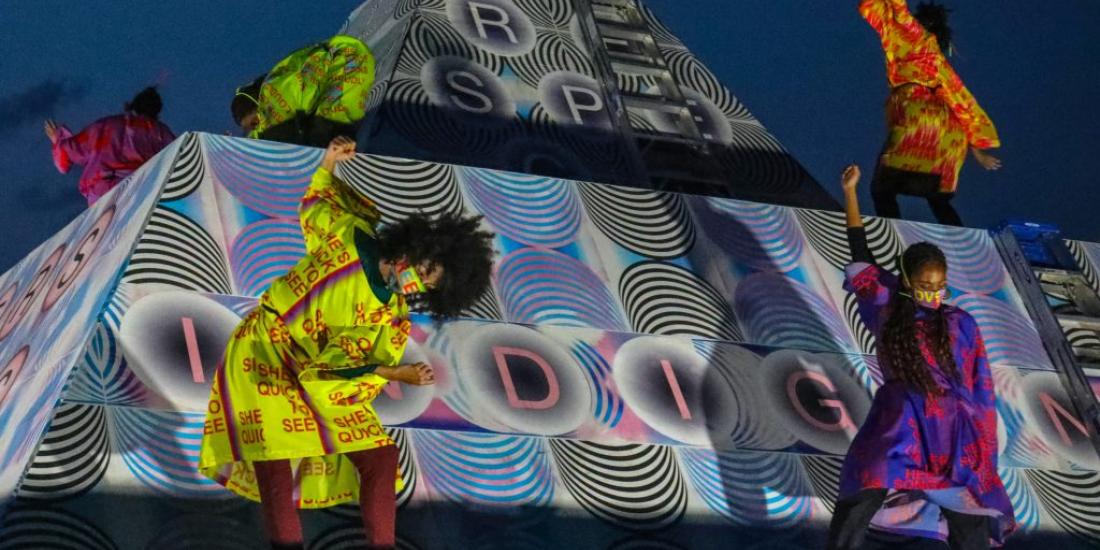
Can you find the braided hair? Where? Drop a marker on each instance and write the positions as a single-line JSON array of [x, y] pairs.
[[933, 17], [899, 332]]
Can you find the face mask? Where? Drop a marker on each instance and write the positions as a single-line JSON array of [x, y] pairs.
[[931, 299], [405, 280]]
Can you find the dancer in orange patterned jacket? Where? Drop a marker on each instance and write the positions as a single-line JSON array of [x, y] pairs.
[[932, 119], [290, 421]]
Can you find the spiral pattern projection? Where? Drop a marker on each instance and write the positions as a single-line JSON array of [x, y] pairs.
[[608, 406], [533, 210], [1088, 260], [188, 172], [973, 262], [552, 52], [667, 299], [410, 113], [782, 312], [602, 153], [37, 528], [543, 287], [823, 472], [431, 35], [71, 458], [748, 488], [763, 237], [161, 450], [486, 307], [551, 14], [1072, 499], [350, 537], [1024, 446], [176, 251], [402, 187], [494, 470], [738, 368], [204, 531], [690, 73], [864, 337], [827, 233], [102, 376], [649, 223], [656, 28], [263, 252], [1010, 338], [1020, 493], [267, 177], [637, 487]]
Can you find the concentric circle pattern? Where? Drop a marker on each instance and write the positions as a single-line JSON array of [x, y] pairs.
[[649, 223], [637, 487], [431, 35], [552, 52], [823, 471], [747, 488], [781, 312], [176, 251], [1010, 338], [71, 458], [263, 252], [667, 299], [543, 287], [34, 528], [102, 377], [827, 233], [607, 405], [1072, 499], [265, 176], [488, 469], [534, 210], [401, 187], [188, 172], [161, 450], [762, 237]]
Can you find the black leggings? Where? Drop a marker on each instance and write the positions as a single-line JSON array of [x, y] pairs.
[[853, 515], [888, 183]]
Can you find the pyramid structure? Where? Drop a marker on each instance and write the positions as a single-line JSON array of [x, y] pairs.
[[650, 370]]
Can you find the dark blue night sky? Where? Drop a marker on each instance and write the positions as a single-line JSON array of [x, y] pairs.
[[813, 75]]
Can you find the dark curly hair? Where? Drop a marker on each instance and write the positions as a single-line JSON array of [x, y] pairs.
[[453, 242], [933, 17], [899, 333], [146, 103]]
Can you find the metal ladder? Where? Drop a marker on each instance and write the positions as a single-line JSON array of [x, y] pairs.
[[677, 160], [1062, 304]]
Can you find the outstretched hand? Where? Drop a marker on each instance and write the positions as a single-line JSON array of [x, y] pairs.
[[849, 179], [339, 149], [417, 374], [988, 161], [51, 130]]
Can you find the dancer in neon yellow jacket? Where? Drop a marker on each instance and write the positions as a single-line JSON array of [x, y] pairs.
[[290, 421], [311, 96]]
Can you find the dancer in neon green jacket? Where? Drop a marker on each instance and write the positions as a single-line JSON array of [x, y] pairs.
[[290, 421], [311, 96]]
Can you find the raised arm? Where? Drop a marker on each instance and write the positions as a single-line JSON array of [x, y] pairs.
[[857, 237], [328, 203], [892, 21]]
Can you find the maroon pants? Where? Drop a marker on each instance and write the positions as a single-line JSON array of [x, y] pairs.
[[377, 470]]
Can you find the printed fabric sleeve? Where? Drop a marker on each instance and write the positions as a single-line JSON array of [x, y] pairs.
[[78, 149], [894, 24], [872, 286], [983, 392], [328, 207], [980, 131]]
